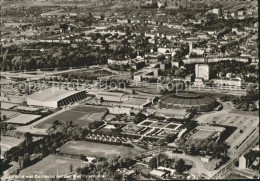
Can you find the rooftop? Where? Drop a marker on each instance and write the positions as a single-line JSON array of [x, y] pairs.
[[52, 94]]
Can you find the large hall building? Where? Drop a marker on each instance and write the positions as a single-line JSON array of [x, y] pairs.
[[55, 97]]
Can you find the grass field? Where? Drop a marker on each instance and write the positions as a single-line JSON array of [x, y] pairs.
[[52, 165], [80, 116], [96, 149]]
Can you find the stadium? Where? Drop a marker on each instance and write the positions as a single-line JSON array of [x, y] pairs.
[[55, 97], [202, 103]]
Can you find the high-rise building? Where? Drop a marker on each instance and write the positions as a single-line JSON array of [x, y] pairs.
[[203, 71]]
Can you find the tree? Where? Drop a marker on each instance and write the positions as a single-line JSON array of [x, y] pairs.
[[180, 166], [84, 133], [165, 3], [251, 68], [10, 127], [36, 149], [210, 145], [139, 117], [204, 145], [28, 138], [82, 157], [71, 167], [56, 123], [53, 148], [170, 138], [163, 158], [117, 176], [192, 150], [252, 94], [26, 159], [180, 73], [180, 143], [20, 162], [160, 142], [216, 150], [153, 163]]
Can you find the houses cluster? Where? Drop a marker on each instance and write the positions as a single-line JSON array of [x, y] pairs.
[[106, 139]]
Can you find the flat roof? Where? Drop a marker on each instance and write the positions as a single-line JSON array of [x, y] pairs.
[[158, 173], [23, 118], [52, 94], [5, 105], [111, 94], [26, 108]]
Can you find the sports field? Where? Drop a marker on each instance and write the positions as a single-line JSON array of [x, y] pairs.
[[52, 165], [96, 149], [80, 116]]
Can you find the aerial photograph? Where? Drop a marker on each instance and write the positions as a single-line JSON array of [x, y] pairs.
[[129, 90]]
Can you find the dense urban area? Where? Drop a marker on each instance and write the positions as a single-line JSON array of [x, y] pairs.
[[129, 89]]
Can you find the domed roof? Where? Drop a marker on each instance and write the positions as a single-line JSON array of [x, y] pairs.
[[187, 99]]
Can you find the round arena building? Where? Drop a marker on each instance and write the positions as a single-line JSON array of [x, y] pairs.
[[201, 103]]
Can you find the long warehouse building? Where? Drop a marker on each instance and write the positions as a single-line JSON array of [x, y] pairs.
[[55, 97]]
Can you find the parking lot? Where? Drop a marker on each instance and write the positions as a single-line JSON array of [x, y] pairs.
[[246, 125]]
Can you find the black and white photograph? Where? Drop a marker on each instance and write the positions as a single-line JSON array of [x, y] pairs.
[[129, 90]]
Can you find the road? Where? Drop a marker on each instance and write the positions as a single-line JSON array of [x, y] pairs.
[[40, 75], [217, 90]]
